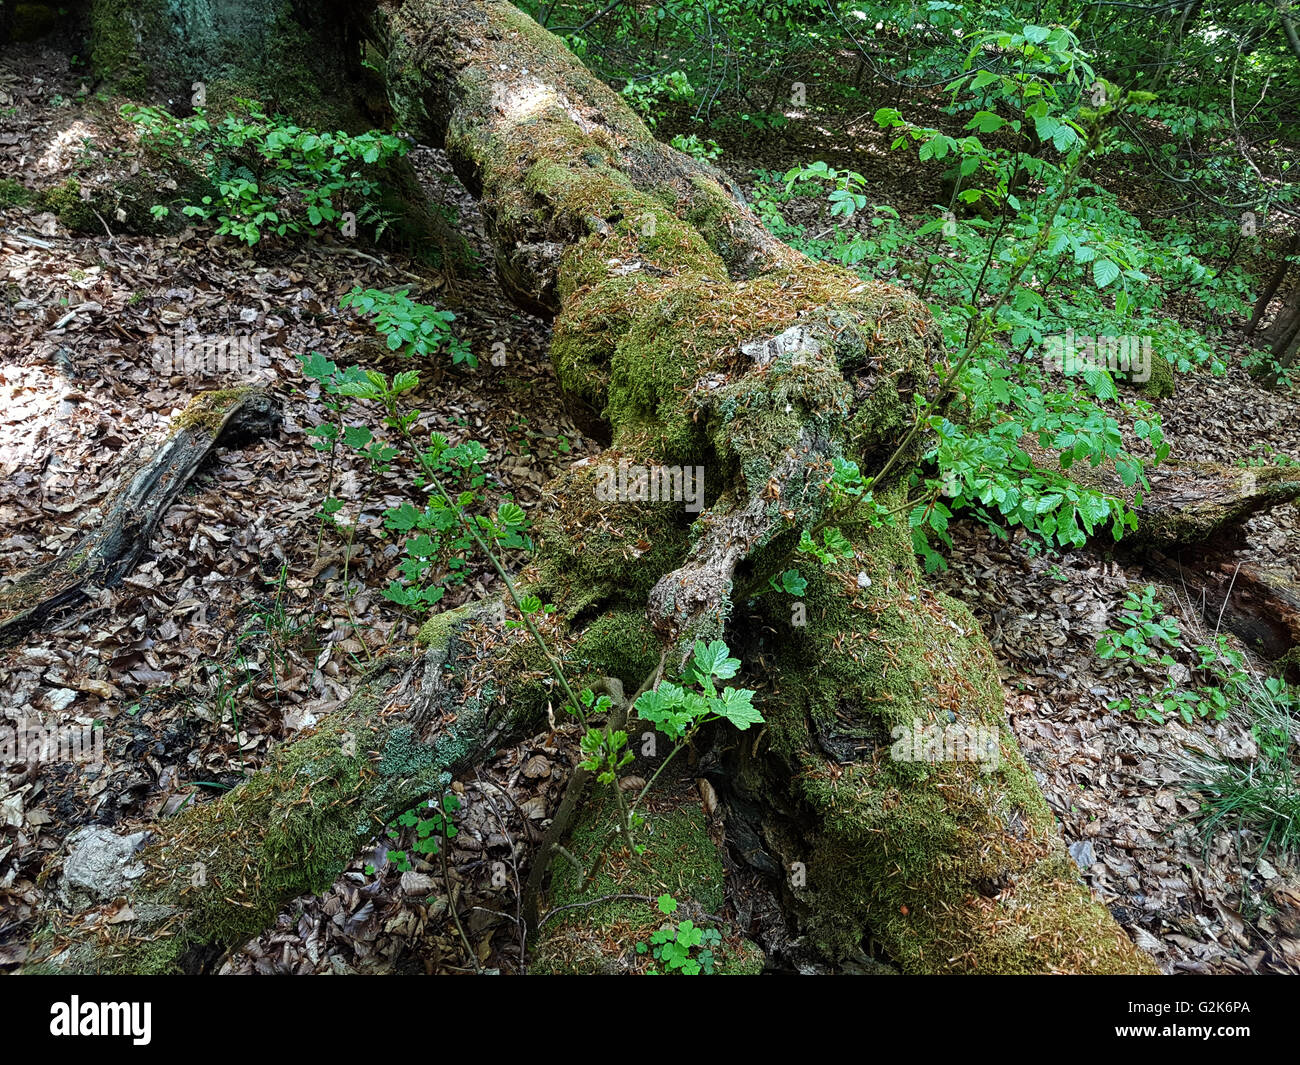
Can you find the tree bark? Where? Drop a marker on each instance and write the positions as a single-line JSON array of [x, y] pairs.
[[1283, 334], [111, 548], [1261, 604], [214, 876], [1274, 283]]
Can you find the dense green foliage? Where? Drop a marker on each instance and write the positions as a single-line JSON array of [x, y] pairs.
[[1097, 196], [268, 176], [1019, 112]]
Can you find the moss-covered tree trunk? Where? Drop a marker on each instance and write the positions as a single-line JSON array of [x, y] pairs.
[[701, 341], [886, 782], [296, 59], [293, 56]]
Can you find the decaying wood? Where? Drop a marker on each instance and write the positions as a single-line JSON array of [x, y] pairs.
[[1261, 604], [213, 877], [112, 545], [1188, 502]]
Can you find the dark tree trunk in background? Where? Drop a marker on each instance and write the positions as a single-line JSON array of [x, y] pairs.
[[1283, 334], [1274, 283]]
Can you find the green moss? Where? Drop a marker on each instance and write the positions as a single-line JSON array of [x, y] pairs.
[[292, 828], [304, 811], [619, 644], [126, 206], [681, 860], [475, 652], [252, 49], [744, 958], [1189, 524], [209, 410], [75, 213], [14, 193], [946, 864], [598, 556], [124, 35], [1160, 385], [439, 629]]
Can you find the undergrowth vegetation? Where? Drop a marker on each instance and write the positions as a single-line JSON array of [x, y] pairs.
[[1068, 314]]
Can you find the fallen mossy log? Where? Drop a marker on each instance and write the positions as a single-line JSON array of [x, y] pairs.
[[1188, 502], [110, 549], [214, 876], [701, 343], [1189, 530]]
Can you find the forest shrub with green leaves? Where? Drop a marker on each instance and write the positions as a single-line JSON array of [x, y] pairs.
[[270, 177]]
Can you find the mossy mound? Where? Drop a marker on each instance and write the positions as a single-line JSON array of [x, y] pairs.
[[255, 49], [620, 644], [14, 193], [601, 937], [1160, 385], [126, 207], [595, 556], [953, 864]]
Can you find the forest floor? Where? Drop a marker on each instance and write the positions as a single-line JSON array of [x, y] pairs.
[[247, 620]]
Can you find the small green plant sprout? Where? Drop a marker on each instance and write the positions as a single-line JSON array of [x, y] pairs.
[[441, 535], [409, 327], [511, 516], [1145, 623], [268, 176], [834, 546], [679, 712], [846, 196], [647, 95], [672, 945], [790, 582], [690, 143], [430, 828], [1148, 637], [605, 751]]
